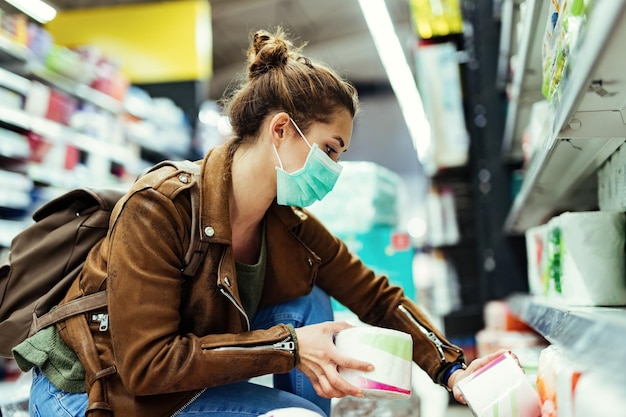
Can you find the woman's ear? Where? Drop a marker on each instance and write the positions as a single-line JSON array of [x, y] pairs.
[[278, 127]]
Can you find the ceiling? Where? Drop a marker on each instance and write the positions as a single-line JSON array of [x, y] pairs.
[[334, 31]]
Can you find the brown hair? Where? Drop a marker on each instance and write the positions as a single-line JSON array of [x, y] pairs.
[[279, 78]]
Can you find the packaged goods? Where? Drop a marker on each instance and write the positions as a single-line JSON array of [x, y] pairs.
[[367, 194], [586, 258], [557, 379], [536, 253], [500, 389], [390, 351]]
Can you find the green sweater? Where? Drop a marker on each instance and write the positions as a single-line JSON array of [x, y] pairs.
[[47, 351]]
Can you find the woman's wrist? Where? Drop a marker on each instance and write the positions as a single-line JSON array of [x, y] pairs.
[[447, 378]]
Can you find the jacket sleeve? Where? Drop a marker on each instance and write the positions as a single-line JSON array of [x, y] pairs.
[[376, 301], [152, 354]]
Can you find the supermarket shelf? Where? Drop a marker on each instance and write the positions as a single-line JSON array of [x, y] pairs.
[[589, 125], [60, 133], [527, 79], [13, 53], [78, 90], [14, 82], [595, 336]]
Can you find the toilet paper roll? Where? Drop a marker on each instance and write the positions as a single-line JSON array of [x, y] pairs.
[[593, 267], [390, 351], [501, 389]]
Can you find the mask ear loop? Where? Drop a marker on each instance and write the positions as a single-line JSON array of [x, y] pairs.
[[277, 157], [300, 132]]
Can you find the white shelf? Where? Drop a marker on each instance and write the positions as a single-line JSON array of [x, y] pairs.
[[527, 79], [588, 127], [78, 90], [62, 134], [595, 336], [18, 53]]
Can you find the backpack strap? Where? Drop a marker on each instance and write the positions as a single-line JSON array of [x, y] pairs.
[[196, 252], [71, 308]]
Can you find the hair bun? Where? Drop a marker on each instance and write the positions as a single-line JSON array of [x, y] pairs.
[[267, 52]]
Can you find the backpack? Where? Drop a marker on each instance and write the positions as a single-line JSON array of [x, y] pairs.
[[47, 256]]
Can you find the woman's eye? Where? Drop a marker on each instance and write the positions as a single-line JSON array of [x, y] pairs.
[[330, 150]]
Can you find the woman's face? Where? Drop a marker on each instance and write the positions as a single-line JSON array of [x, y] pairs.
[[332, 138]]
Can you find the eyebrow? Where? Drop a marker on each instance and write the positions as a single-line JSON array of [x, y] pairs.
[[341, 142]]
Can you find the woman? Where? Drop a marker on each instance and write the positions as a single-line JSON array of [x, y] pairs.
[[260, 302]]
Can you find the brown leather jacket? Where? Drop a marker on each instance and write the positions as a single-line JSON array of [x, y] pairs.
[[165, 338]]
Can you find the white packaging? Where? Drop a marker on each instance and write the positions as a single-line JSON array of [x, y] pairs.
[[598, 394], [592, 258], [557, 377], [391, 353], [536, 245], [500, 389]]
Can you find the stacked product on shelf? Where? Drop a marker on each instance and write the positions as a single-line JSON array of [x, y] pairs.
[[443, 227], [156, 123], [366, 194], [612, 182], [567, 389], [577, 259], [565, 27], [364, 210], [436, 282], [439, 81], [541, 115]]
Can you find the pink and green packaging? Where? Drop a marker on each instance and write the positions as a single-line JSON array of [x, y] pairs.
[[391, 353], [500, 389]]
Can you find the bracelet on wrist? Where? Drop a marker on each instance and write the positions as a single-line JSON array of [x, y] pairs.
[[448, 373]]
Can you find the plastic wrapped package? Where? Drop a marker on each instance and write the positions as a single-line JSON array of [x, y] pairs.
[[390, 351], [498, 316], [366, 194], [539, 125], [557, 379], [612, 182], [596, 394], [586, 258], [438, 75], [491, 341], [500, 389], [536, 253], [564, 29]]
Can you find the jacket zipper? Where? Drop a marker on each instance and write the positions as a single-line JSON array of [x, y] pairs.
[[192, 399], [429, 334], [286, 345], [232, 300]]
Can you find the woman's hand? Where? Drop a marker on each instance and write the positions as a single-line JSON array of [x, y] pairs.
[[473, 367], [320, 359]]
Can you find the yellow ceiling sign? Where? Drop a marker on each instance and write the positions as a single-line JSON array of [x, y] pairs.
[[155, 42], [433, 18]]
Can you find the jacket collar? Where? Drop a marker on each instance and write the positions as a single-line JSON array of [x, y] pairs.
[[215, 191]]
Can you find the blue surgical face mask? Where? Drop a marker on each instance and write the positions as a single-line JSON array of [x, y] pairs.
[[311, 182]]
